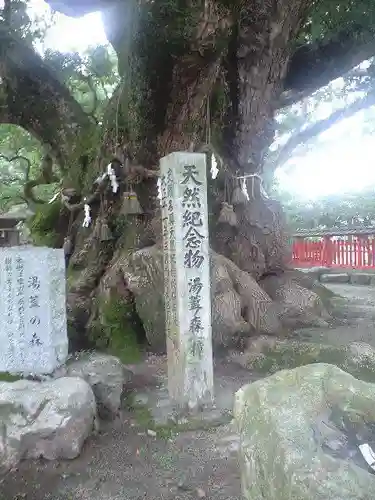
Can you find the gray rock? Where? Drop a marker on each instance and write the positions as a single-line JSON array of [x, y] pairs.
[[335, 278], [106, 376], [286, 452], [361, 353], [44, 419], [269, 355], [316, 272], [298, 306], [360, 279]]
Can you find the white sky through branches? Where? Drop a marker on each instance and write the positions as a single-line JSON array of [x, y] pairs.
[[341, 161]]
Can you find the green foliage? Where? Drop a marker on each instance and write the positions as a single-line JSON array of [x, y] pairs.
[[8, 377], [121, 226], [327, 18], [43, 224], [20, 156], [114, 331], [341, 211], [30, 25], [91, 76]]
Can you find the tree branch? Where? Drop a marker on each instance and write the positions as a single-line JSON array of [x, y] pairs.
[[36, 100], [312, 65], [15, 197], [78, 8], [46, 176], [317, 128], [315, 65], [18, 157], [7, 11], [95, 103], [95, 100]]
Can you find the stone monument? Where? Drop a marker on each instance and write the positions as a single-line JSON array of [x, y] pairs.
[[33, 331], [187, 279]]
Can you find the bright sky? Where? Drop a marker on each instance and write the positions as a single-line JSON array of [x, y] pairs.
[[342, 162], [71, 34]]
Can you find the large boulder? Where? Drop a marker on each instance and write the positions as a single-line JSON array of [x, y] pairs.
[[267, 355], [299, 435], [106, 375], [306, 280], [44, 419], [298, 306], [239, 306]]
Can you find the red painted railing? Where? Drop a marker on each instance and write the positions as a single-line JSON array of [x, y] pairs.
[[359, 253]]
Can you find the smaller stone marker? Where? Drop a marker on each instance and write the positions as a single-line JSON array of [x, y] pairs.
[[187, 279], [33, 332]]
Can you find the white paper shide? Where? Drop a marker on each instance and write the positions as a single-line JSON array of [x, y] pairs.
[[33, 332]]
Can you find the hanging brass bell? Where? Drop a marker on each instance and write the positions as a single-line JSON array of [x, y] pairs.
[[67, 246], [227, 215], [104, 232], [238, 196], [130, 204]]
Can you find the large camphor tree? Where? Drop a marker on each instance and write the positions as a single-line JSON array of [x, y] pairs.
[[200, 76]]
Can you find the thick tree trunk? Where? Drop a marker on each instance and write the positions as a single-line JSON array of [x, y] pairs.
[[179, 59], [257, 63], [257, 245]]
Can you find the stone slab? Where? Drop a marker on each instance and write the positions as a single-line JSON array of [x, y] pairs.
[[335, 278], [187, 287], [361, 279], [33, 331]]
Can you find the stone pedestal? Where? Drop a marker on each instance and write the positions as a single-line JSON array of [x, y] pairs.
[[187, 279]]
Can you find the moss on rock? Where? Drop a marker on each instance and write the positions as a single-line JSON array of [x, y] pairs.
[[9, 377], [114, 331], [44, 223], [286, 354]]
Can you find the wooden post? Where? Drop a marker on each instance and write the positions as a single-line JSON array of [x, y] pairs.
[[327, 252], [187, 279], [13, 237], [362, 248], [298, 249]]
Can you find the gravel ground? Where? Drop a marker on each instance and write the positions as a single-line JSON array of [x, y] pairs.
[[123, 462]]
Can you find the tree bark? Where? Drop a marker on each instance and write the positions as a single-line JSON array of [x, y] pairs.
[[263, 54], [164, 109], [34, 99], [260, 58]]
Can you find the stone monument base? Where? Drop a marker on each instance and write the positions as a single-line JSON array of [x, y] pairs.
[[155, 405]]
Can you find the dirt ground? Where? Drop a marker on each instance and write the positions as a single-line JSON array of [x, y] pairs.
[[354, 312], [124, 462]]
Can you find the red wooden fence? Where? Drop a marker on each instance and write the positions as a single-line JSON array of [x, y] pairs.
[[358, 254]]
